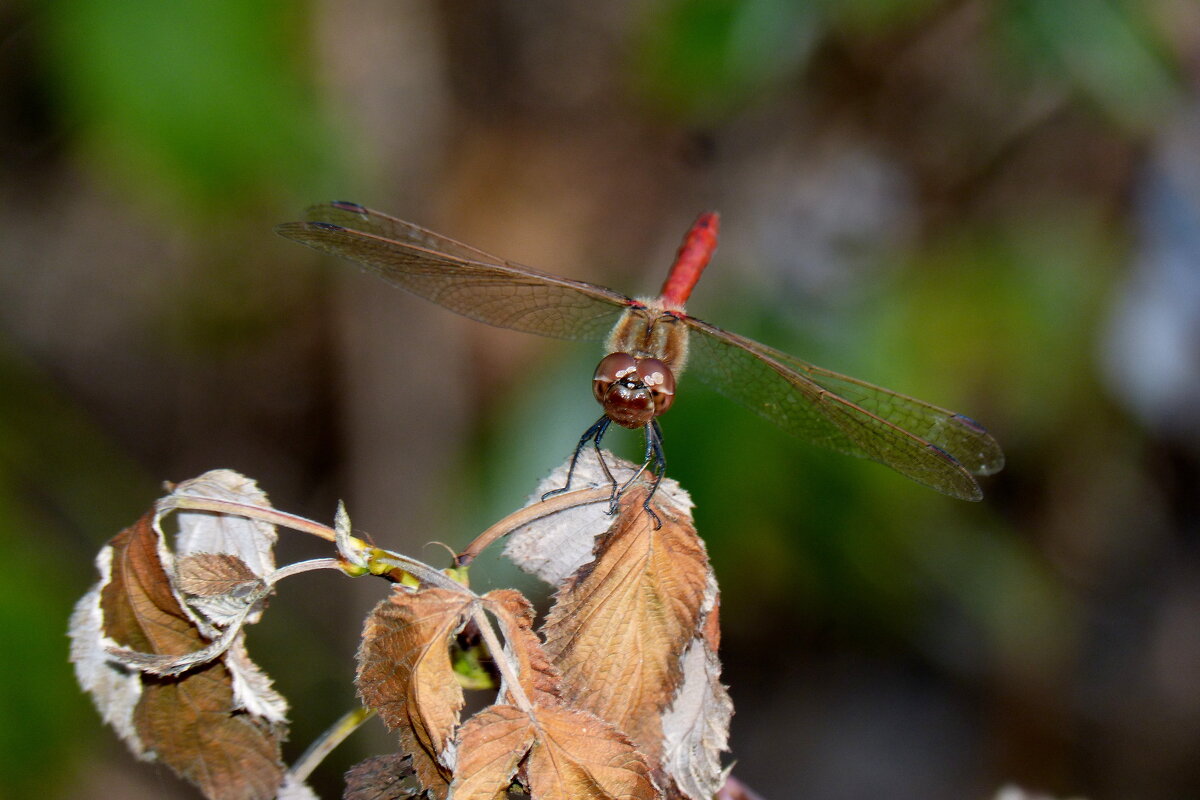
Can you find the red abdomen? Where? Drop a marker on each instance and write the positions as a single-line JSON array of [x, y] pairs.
[[690, 261]]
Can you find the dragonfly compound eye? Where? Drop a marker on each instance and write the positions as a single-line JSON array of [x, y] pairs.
[[632, 390], [659, 379]]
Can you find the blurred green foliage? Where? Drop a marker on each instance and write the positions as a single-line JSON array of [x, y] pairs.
[[204, 104], [59, 476], [701, 59], [1108, 51]]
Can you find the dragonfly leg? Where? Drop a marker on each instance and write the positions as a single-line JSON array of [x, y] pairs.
[[593, 434], [656, 456]]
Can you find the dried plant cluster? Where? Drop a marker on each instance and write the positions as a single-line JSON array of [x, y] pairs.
[[615, 694]]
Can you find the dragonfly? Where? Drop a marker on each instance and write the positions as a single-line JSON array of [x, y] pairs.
[[649, 341]]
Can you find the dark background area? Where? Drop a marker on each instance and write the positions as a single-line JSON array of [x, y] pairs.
[[994, 206]]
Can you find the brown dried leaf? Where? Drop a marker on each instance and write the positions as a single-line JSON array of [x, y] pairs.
[[139, 607], [405, 673], [213, 574], [491, 745], [188, 722], [538, 677], [620, 624], [579, 757], [381, 778]]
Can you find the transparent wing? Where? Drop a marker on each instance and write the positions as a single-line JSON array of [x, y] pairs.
[[930, 445], [457, 276]]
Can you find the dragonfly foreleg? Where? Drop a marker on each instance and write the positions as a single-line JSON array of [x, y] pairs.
[[656, 456], [593, 434]]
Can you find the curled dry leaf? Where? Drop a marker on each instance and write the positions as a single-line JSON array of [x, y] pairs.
[[251, 540], [405, 674], [621, 623], [114, 688], [571, 755], [221, 562], [696, 726], [191, 722], [538, 677], [558, 545]]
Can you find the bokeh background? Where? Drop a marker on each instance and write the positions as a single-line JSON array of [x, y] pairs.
[[994, 206]]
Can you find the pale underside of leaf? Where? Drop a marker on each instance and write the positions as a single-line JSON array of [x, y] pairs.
[[696, 725], [114, 688], [252, 541], [253, 689], [558, 545]]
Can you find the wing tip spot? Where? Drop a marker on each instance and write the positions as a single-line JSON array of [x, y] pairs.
[[967, 422]]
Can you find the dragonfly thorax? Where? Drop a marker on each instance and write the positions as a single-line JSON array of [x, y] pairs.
[[647, 330], [633, 390]]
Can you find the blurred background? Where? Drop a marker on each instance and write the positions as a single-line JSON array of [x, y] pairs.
[[994, 206]]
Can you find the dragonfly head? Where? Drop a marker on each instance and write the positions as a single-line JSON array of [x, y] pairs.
[[633, 390]]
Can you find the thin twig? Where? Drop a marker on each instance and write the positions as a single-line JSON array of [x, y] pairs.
[[324, 744], [530, 514], [271, 515], [513, 683]]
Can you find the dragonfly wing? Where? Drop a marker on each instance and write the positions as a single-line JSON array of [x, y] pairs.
[[460, 278], [773, 385], [366, 220], [962, 437]]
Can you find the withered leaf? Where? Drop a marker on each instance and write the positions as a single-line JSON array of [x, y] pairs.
[[696, 726], [621, 623], [140, 609], [114, 688], [405, 674], [537, 676], [491, 745], [212, 574], [572, 755], [556, 546], [387, 777], [251, 540], [189, 722], [579, 757]]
